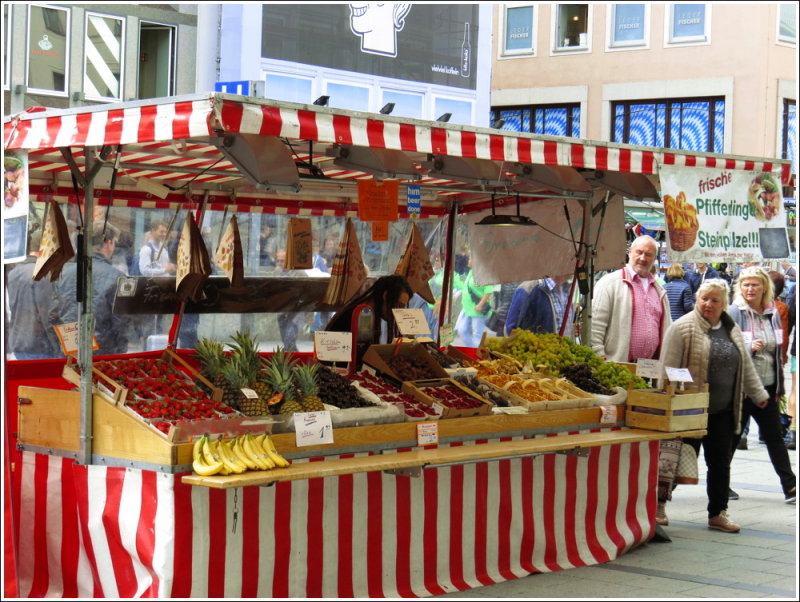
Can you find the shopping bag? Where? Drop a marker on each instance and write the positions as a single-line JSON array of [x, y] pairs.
[[298, 244], [348, 271], [56, 249], [229, 257], [686, 472], [194, 265]]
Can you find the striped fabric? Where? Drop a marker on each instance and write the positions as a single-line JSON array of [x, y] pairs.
[[96, 531]]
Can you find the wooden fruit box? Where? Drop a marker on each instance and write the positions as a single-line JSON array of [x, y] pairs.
[[567, 403], [414, 389], [378, 357], [668, 410]]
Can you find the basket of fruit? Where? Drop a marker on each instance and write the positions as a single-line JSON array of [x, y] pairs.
[[682, 225]]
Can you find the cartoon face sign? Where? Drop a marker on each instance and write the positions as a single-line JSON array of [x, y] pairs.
[[378, 23]]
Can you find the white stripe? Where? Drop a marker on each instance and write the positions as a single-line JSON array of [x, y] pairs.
[[66, 130], [331, 535], [252, 118], [482, 149], [515, 534], [624, 494], [602, 502], [131, 118], [492, 551], [298, 568], [391, 135], [201, 522], [389, 533], [235, 526], [468, 520], [452, 144], [96, 495], [27, 519], [416, 511], [559, 502], [510, 149], [164, 529], [96, 59], [199, 119], [325, 132], [581, 507], [358, 132], [268, 550], [164, 120], [422, 134], [539, 501], [290, 123], [130, 511], [96, 136]]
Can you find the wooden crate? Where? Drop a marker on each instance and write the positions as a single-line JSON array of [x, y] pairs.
[[106, 387], [413, 388], [669, 410], [544, 405], [378, 356]]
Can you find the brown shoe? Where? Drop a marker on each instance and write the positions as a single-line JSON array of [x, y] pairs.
[[661, 514], [722, 522]]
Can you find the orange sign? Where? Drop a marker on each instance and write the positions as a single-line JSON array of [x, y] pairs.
[[377, 201], [380, 231]]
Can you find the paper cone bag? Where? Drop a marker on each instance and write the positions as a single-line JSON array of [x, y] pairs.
[[193, 264], [298, 244], [415, 265], [348, 272], [55, 250], [229, 257]]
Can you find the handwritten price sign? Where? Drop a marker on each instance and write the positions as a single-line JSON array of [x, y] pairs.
[[333, 346], [411, 321], [68, 337], [312, 428]]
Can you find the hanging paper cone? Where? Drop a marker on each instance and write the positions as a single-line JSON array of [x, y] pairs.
[[298, 244], [348, 272], [55, 249], [194, 265], [229, 257], [415, 265]]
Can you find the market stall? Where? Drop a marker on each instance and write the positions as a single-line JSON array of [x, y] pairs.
[[110, 506]]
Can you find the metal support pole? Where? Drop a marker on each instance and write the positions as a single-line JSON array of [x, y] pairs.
[[86, 319]]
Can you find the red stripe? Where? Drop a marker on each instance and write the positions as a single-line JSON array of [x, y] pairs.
[[403, 536], [749, 165], [767, 167], [710, 161], [438, 141], [633, 493], [145, 531], [81, 478], [624, 160], [786, 174], [283, 540], [497, 147], [114, 122], [341, 129], [648, 162], [121, 561], [82, 123], [668, 159], [598, 552], [571, 494], [344, 556], [524, 152], [52, 128], [468, 144], [430, 535], [41, 576], [182, 549], [481, 508], [528, 527], [457, 526], [689, 160], [408, 137], [70, 536], [315, 534], [231, 116], [600, 157], [308, 125], [576, 155], [251, 545], [375, 535], [147, 124], [180, 123], [504, 520], [613, 497], [548, 512], [375, 133], [652, 486], [217, 535], [550, 153], [730, 163], [271, 122]]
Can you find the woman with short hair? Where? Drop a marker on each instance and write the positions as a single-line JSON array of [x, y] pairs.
[[679, 292]]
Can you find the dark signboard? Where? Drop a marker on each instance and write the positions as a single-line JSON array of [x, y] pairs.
[[430, 43]]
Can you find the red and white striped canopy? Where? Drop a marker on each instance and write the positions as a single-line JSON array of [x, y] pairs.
[[170, 140]]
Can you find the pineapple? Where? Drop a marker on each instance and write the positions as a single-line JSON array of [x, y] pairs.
[[246, 347], [235, 374], [212, 358], [281, 379], [306, 379]]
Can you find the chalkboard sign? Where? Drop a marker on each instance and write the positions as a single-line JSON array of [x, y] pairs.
[[774, 243]]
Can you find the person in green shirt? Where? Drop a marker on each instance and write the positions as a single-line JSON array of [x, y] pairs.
[[475, 309]]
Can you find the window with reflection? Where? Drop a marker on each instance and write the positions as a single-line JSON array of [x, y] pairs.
[[787, 23], [47, 49], [628, 25], [551, 120], [572, 26], [518, 36], [688, 23], [102, 76]]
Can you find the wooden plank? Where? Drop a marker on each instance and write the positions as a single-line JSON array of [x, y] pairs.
[[51, 419], [430, 457]]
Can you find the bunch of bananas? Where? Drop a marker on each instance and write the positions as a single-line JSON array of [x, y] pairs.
[[235, 456]]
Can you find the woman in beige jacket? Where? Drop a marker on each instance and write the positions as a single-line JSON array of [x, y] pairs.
[[709, 344]]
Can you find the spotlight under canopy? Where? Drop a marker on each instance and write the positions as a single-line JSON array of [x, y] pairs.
[[506, 219]]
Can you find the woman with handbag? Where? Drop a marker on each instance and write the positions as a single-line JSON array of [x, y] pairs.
[[754, 311], [710, 345]]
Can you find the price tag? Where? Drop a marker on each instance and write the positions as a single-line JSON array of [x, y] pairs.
[[249, 393], [333, 346], [312, 428], [680, 375], [447, 334], [68, 337], [608, 414], [411, 321], [427, 433], [648, 368]]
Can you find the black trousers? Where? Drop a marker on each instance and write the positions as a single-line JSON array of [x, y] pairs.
[[717, 452], [769, 428]]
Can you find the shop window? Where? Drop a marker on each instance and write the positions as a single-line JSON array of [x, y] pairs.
[[103, 60], [789, 132], [572, 27], [550, 120], [405, 105], [346, 96], [156, 60], [289, 88], [47, 50], [519, 28], [628, 25], [689, 23], [460, 110], [686, 124], [787, 23]]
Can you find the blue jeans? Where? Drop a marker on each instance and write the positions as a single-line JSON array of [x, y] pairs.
[[32, 356], [471, 329]]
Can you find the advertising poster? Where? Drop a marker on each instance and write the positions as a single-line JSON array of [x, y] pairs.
[[715, 215], [15, 206]]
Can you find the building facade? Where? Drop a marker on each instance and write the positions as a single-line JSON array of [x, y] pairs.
[[709, 77], [66, 55]]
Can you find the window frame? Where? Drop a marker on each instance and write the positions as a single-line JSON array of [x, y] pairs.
[[556, 48], [527, 52], [612, 45], [571, 107], [780, 39], [326, 83], [173, 63], [68, 44], [671, 40], [383, 91], [785, 140], [123, 29], [435, 98], [301, 77]]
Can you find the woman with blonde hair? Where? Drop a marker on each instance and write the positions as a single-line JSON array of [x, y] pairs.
[[753, 309], [679, 292]]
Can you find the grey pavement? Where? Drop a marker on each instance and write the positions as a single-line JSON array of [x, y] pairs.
[[758, 562]]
